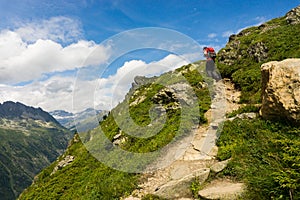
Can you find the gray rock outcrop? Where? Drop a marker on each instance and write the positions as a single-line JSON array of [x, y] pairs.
[[280, 90], [181, 188], [63, 163], [293, 16], [258, 51], [219, 166]]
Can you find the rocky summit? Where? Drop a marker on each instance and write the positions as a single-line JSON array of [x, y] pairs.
[[246, 51]]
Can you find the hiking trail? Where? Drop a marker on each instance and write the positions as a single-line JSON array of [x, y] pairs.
[[173, 182]]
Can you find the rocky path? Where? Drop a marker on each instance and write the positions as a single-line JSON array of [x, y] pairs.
[[173, 182]]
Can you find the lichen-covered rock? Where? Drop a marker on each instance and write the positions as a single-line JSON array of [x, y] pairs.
[[280, 90], [177, 94], [63, 163], [230, 54], [258, 51], [293, 16], [219, 166], [222, 190], [181, 188]]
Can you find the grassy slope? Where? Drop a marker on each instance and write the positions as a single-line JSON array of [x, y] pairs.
[[265, 155], [22, 156], [282, 41], [86, 178]]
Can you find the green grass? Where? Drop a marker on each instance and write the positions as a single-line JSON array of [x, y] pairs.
[[85, 178], [140, 112], [24, 154], [282, 42], [265, 155]]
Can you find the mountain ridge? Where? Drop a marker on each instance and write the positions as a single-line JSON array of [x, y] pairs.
[[30, 139], [17, 110]]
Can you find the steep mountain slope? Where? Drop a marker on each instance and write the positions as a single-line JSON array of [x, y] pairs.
[[30, 139], [83, 177], [243, 55]]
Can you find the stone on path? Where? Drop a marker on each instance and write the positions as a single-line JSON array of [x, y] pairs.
[[223, 190]]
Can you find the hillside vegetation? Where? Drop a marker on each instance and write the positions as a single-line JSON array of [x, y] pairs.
[[87, 178], [264, 155], [241, 58], [30, 139]]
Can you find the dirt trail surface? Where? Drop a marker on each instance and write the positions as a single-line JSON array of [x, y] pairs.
[[173, 182]]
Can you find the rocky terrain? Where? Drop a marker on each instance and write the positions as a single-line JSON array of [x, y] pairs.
[[199, 159]]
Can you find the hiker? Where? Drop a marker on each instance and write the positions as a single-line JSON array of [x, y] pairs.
[[210, 55]]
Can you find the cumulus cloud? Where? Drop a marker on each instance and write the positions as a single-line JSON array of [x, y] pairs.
[[59, 29], [40, 53], [22, 61], [112, 90], [55, 92], [59, 92]]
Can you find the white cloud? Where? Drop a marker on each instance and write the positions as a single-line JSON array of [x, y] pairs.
[[258, 21], [36, 51], [112, 90], [57, 92], [212, 35], [21, 61], [59, 29]]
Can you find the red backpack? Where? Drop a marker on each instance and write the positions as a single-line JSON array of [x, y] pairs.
[[211, 52]]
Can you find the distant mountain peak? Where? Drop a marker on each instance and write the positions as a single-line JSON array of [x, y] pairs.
[[17, 110], [67, 119]]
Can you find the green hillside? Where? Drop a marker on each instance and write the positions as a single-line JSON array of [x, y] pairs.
[[27, 146], [241, 58], [264, 155], [86, 178]]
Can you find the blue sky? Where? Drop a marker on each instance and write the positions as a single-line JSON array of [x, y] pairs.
[[44, 43], [101, 19]]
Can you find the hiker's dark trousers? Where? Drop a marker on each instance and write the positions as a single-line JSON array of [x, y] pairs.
[[211, 70]]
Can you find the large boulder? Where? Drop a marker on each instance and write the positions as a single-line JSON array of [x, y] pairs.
[[281, 90]]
